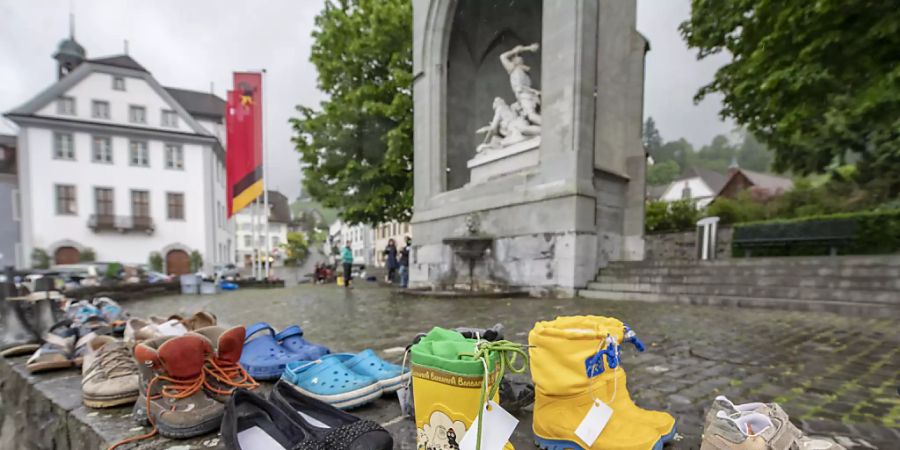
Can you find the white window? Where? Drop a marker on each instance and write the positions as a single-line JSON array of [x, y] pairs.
[[275, 241], [169, 118], [101, 151], [63, 146], [65, 105], [174, 157], [138, 154], [248, 240], [118, 83], [137, 114], [100, 109]]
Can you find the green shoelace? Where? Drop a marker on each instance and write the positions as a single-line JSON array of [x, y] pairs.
[[506, 353]]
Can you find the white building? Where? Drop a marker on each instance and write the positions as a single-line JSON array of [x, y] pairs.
[[279, 218], [360, 237], [110, 160], [384, 233], [699, 185]]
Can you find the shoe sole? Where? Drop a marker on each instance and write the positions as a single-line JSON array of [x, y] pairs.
[[346, 400], [265, 373], [391, 385], [19, 350], [560, 444], [106, 402], [139, 413], [47, 366]]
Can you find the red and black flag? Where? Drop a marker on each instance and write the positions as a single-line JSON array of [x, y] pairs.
[[244, 140]]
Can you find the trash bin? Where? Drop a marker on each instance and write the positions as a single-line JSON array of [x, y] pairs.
[[190, 284], [209, 287]]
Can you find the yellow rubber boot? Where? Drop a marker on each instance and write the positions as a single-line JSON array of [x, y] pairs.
[[561, 351], [447, 388], [664, 423]]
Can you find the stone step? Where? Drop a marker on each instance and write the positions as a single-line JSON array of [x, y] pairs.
[[792, 261], [726, 271], [848, 308], [862, 283], [888, 297]]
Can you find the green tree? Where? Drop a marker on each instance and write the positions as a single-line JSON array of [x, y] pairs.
[[196, 261], [296, 249], [753, 155], [651, 137], [663, 173], [40, 259], [357, 147], [680, 151], [87, 255], [813, 80], [155, 261]]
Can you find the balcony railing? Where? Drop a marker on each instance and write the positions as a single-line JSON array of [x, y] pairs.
[[122, 224]]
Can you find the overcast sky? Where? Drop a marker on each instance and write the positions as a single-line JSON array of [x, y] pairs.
[[190, 44]]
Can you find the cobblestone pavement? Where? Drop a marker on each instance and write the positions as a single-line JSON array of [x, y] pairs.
[[834, 375]]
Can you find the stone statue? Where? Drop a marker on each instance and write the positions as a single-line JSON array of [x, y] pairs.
[[521, 120], [526, 96]]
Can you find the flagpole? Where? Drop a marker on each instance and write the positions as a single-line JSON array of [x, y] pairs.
[[255, 242], [268, 241]]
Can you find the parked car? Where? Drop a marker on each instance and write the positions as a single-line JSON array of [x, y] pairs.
[[228, 272]]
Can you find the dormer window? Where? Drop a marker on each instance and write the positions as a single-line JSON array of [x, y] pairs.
[[137, 114], [118, 83], [66, 106], [169, 118]]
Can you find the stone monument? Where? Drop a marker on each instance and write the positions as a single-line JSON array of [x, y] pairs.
[[528, 116]]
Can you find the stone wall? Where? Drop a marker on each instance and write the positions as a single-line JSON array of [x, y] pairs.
[[683, 245]]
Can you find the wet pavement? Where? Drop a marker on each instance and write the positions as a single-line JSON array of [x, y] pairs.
[[834, 375]]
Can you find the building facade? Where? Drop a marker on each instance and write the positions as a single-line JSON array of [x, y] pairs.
[[384, 233], [10, 246], [361, 238], [110, 160], [279, 218]]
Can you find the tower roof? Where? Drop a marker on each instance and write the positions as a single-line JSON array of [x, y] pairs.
[[70, 47]]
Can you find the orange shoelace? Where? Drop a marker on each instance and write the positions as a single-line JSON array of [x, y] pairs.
[[229, 373], [176, 389]]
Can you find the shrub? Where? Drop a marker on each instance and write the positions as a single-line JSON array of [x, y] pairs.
[[40, 259], [155, 261], [87, 255], [877, 232], [196, 261], [113, 270], [670, 216]]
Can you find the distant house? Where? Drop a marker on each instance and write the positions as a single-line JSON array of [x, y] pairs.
[[699, 185], [741, 179], [10, 247], [279, 218]]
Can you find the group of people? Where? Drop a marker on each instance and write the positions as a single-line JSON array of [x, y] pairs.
[[396, 261]]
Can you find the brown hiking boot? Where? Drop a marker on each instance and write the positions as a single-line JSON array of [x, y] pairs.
[[109, 374], [223, 369], [172, 378]]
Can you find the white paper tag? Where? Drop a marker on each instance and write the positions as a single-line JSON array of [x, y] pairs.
[[255, 438], [498, 427], [594, 422], [405, 398]]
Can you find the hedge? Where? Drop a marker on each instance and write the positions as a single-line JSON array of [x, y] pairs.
[[877, 232]]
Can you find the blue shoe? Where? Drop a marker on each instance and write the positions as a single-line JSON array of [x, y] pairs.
[[263, 357], [390, 377], [291, 338], [330, 381]]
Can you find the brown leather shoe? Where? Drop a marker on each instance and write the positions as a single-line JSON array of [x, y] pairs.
[[223, 369]]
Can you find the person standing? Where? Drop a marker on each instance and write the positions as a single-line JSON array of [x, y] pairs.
[[390, 252], [404, 263], [347, 260]]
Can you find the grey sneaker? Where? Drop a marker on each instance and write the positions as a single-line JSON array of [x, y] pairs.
[[109, 374], [756, 431]]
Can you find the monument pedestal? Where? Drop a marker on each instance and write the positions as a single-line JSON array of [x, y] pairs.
[[493, 163]]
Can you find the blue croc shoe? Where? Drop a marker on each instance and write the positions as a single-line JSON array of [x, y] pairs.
[[391, 377], [263, 357], [330, 381], [291, 338]]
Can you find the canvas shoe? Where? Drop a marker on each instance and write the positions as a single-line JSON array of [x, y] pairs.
[[223, 370], [336, 429], [109, 374], [57, 350], [250, 422], [171, 394], [756, 431]]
